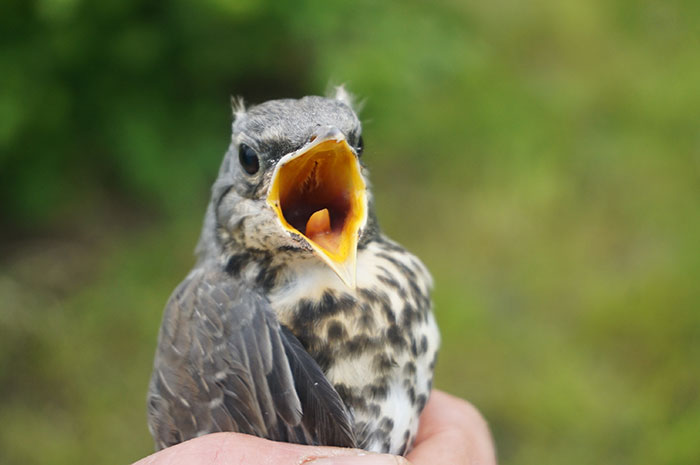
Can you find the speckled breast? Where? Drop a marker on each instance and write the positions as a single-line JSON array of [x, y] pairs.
[[377, 343]]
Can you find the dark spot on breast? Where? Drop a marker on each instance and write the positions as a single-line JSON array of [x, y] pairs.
[[409, 369], [423, 344], [389, 281], [399, 266], [375, 436], [368, 295], [387, 424], [336, 331], [432, 363], [376, 391], [409, 316], [327, 303], [331, 305], [411, 395], [420, 402], [395, 337], [366, 316], [383, 363], [379, 434], [414, 347], [421, 300], [360, 344], [388, 312], [406, 442], [350, 397], [376, 297], [346, 302], [367, 321]]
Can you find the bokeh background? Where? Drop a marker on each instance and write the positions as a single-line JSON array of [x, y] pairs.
[[543, 158]]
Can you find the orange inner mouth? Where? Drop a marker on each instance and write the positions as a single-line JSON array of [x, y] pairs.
[[320, 194]]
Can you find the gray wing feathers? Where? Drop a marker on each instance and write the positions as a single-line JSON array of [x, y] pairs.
[[224, 363], [324, 412]]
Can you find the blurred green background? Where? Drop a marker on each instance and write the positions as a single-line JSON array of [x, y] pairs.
[[543, 159]]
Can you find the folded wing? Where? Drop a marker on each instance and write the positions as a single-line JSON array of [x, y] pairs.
[[224, 363]]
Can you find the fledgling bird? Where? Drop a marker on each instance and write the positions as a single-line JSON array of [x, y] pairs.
[[301, 321]]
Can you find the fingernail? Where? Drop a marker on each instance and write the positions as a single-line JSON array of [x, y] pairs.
[[365, 459]]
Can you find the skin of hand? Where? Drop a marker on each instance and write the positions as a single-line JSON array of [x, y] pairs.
[[451, 431]]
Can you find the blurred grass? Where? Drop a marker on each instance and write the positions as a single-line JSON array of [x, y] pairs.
[[543, 159]]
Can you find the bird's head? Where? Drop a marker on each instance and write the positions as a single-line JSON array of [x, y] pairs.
[[292, 180]]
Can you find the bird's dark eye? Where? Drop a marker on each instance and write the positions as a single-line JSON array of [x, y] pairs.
[[360, 146], [249, 159]]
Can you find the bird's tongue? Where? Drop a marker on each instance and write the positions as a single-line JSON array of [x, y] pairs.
[[318, 229]]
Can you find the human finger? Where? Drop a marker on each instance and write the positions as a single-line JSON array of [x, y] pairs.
[[452, 431], [239, 449]]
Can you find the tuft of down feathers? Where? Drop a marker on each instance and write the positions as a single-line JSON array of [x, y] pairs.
[[237, 106]]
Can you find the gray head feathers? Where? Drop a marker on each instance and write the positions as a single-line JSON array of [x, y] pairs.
[[271, 130]]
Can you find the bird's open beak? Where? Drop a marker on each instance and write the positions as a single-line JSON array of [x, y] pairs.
[[318, 192]]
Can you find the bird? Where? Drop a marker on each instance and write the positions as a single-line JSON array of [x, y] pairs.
[[301, 321]]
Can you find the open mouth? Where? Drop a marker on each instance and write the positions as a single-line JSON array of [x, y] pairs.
[[318, 192]]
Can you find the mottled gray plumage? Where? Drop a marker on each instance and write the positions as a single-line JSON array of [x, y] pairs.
[[240, 370], [263, 338]]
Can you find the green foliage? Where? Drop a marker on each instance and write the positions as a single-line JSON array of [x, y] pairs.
[[541, 157], [100, 97]]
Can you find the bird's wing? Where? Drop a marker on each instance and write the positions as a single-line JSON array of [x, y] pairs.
[[224, 363]]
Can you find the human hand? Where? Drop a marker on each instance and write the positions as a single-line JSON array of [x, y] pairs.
[[451, 432]]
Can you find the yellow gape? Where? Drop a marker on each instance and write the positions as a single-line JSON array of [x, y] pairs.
[[318, 192]]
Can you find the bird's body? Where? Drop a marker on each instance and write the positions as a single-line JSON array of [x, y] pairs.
[[264, 337]]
